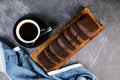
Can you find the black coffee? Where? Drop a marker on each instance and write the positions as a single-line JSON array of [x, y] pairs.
[[28, 31]]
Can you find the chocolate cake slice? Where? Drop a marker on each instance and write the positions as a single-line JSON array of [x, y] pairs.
[[45, 61], [51, 55], [74, 42], [56, 49], [80, 36], [67, 41], [87, 25], [65, 44]]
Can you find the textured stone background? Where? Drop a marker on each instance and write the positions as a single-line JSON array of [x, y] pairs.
[[101, 56]]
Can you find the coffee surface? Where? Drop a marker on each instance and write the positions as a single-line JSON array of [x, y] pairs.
[[28, 31]]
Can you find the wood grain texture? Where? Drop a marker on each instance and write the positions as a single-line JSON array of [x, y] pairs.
[[47, 64]]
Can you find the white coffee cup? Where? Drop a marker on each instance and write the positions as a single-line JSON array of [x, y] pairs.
[[36, 30], [23, 22]]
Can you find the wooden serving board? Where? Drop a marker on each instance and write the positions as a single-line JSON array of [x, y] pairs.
[[67, 41]]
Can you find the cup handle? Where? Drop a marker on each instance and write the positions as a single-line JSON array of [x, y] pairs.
[[46, 31]]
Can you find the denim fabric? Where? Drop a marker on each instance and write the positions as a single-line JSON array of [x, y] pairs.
[[19, 66], [74, 73], [2, 60]]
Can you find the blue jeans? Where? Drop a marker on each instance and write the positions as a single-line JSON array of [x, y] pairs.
[[19, 66]]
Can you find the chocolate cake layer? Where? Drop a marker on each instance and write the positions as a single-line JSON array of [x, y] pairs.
[[79, 32], [56, 49], [72, 39], [80, 39], [45, 61], [67, 41], [87, 23], [51, 55], [65, 44]]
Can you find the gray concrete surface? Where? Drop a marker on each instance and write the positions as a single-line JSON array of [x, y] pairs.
[[3, 76], [101, 56]]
